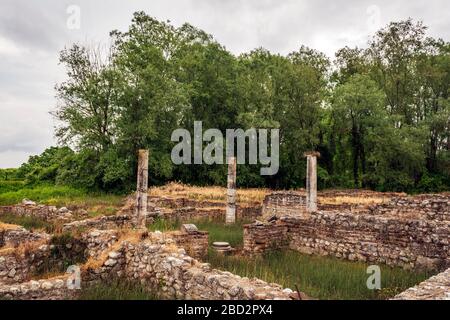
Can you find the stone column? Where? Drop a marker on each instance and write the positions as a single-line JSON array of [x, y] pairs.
[[230, 216], [311, 180], [141, 190]]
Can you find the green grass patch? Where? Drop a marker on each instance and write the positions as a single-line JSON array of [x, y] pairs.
[[64, 196], [319, 277], [218, 231], [29, 223], [164, 225], [117, 290], [40, 194]]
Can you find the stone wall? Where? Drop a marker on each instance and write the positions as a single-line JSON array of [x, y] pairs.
[[284, 203], [420, 244], [12, 237], [162, 266], [19, 265], [101, 223], [48, 289], [435, 288], [193, 241], [429, 207], [30, 209], [259, 237], [32, 258]]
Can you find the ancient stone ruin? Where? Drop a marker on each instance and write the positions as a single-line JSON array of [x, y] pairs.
[[107, 247], [412, 232]]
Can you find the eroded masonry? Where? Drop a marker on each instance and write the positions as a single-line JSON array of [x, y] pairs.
[[412, 232]]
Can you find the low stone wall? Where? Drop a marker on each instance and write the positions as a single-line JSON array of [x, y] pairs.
[[212, 213], [259, 237], [397, 242], [284, 203], [31, 209], [194, 242], [48, 289], [160, 265], [429, 207], [31, 258], [18, 266], [101, 223], [435, 288], [184, 209], [12, 237], [98, 241], [411, 232]]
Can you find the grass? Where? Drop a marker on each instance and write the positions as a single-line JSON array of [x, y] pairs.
[[117, 290], [29, 223], [319, 277], [211, 193], [218, 231], [64, 196], [366, 200]]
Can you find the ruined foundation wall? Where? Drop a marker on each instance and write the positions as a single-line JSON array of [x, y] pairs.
[[31, 258], [416, 234], [259, 238], [284, 203], [160, 265], [409, 244], [30, 209], [195, 243], [12, 237], [101, 223], [49, 289], [428, 207]]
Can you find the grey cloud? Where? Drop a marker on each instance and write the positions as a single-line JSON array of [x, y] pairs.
[[33, 32]]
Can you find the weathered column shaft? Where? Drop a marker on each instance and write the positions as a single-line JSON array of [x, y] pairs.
[[142, 189], [230, 216], [311, 182]]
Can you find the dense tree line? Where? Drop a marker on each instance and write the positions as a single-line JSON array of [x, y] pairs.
[[379, 116]]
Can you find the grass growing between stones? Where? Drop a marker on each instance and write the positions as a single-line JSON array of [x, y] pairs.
[[29, 223], [117, 290], [218, 231], [319, 277]]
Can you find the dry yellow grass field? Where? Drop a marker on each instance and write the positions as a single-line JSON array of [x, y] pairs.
[[177, 190], [363, 200], [251, 196]]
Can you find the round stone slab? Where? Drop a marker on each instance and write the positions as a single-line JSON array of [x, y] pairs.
[[221, 244]]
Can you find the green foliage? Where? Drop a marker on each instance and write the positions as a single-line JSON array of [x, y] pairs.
[[379, 116], [10, 186]]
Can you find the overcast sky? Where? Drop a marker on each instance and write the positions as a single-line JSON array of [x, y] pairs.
[[33, 32]]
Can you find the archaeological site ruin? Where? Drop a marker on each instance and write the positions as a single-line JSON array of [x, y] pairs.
[[408, 232]]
